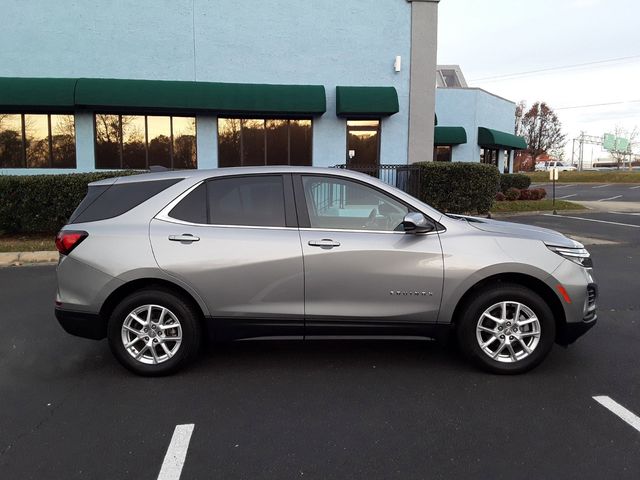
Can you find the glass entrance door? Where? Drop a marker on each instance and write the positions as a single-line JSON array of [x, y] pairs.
[[363, 143]]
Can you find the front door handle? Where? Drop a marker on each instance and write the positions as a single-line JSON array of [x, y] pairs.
[[324, 243], [185, 238]]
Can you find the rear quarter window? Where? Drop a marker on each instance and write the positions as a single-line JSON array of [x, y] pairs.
[[109, 201]]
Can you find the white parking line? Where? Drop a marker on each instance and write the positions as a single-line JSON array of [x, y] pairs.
[[626, 213], [568, 196], [602, 186], [633, 188], [592, 220], [565, 186], [610, 198], [626, 415], [176, 453]]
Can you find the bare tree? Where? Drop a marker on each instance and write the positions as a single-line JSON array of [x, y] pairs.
[[520, 109], [618, 154], [542, 129]]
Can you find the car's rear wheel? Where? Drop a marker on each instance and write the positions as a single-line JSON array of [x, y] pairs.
[[154, 332], [507, 329]]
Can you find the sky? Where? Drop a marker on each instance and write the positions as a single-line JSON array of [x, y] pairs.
[[498, 38]]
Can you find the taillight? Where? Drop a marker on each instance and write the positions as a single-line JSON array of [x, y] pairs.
[[67, 240]]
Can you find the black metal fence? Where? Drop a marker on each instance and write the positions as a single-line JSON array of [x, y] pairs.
[[405, 177]]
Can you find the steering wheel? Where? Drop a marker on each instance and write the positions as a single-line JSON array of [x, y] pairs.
[[371, 220]]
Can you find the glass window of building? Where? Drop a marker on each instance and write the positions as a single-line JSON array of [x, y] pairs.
[[253, 142], [37, 141], [184, 142], [139, 141], [489, 156], [363, 143], [442, 153]]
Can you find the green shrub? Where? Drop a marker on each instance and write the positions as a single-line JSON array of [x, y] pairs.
[[458, 187], [43, 203], [512, 194], [514, 180]]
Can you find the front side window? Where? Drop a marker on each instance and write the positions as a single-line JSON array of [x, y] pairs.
[[256, 142], [37, 141], [243, 201], [334, 203], [139, 141]]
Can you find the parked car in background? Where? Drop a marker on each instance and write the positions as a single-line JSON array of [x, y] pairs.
[[158, 262], [561, 166]]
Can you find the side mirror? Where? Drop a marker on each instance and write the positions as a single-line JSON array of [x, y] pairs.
[[415, 222]]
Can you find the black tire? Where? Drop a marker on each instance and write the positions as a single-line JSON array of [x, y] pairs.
[[489, 296], [183, 310]]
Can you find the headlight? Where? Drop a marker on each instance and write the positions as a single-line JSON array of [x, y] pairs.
[[576, 255]]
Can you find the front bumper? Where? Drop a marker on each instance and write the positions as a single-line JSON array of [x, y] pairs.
[[82, 324], [570, 332]]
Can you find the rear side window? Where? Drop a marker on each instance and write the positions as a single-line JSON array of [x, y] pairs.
[[252, 200], [256, 201], [193, 207], [109, 201]]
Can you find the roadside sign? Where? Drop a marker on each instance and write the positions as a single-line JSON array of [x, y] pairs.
[[609, 141], [553, 174], [622, 144]]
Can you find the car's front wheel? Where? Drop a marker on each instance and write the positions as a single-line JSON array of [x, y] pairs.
[[154, 332], [507, 329]]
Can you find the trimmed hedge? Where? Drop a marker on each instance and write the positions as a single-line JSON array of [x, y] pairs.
[[43, 203], [514, 180], [459, 187]]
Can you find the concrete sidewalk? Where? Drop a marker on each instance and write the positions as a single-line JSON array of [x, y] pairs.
[[629, 207], [10, 259]]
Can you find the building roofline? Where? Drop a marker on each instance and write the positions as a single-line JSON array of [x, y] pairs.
[[479, 89]]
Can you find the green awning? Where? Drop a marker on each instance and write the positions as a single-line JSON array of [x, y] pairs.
[[450, 136], [497, 139], [366, 101], [123, 95], [238, 98], [37, 93]]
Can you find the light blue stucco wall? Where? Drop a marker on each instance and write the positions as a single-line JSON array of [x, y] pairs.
[[325, 42], [472, 108]]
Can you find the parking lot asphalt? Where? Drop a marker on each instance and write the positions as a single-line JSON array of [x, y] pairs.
[[326, 410], [593, 192]]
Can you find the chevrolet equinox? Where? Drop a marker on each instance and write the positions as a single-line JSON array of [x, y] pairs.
[[158, 262]]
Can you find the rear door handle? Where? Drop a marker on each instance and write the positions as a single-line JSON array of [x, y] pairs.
[[186, 238], [324, 243]]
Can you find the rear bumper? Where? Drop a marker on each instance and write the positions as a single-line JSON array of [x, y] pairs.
[[82, 324]]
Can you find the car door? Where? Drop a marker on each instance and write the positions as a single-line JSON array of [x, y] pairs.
[[360, 267], [235, 241]]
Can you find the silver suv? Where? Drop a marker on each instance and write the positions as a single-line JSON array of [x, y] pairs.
[[158, 262]]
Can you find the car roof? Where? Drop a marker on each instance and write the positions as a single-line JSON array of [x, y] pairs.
[[221, 172]]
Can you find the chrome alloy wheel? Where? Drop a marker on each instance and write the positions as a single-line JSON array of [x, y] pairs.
[[508, 332], [151, 334]]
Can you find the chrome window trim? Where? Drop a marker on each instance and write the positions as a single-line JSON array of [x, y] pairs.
[[386, 232], [164, 216]]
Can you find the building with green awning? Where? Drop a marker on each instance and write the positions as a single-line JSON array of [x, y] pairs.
[[487, 121], [216, 84]]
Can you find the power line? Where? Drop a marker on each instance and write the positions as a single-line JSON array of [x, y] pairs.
[[551, 69], [597, 105]]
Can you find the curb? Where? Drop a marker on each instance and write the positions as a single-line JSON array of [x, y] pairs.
[[14, 259]]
